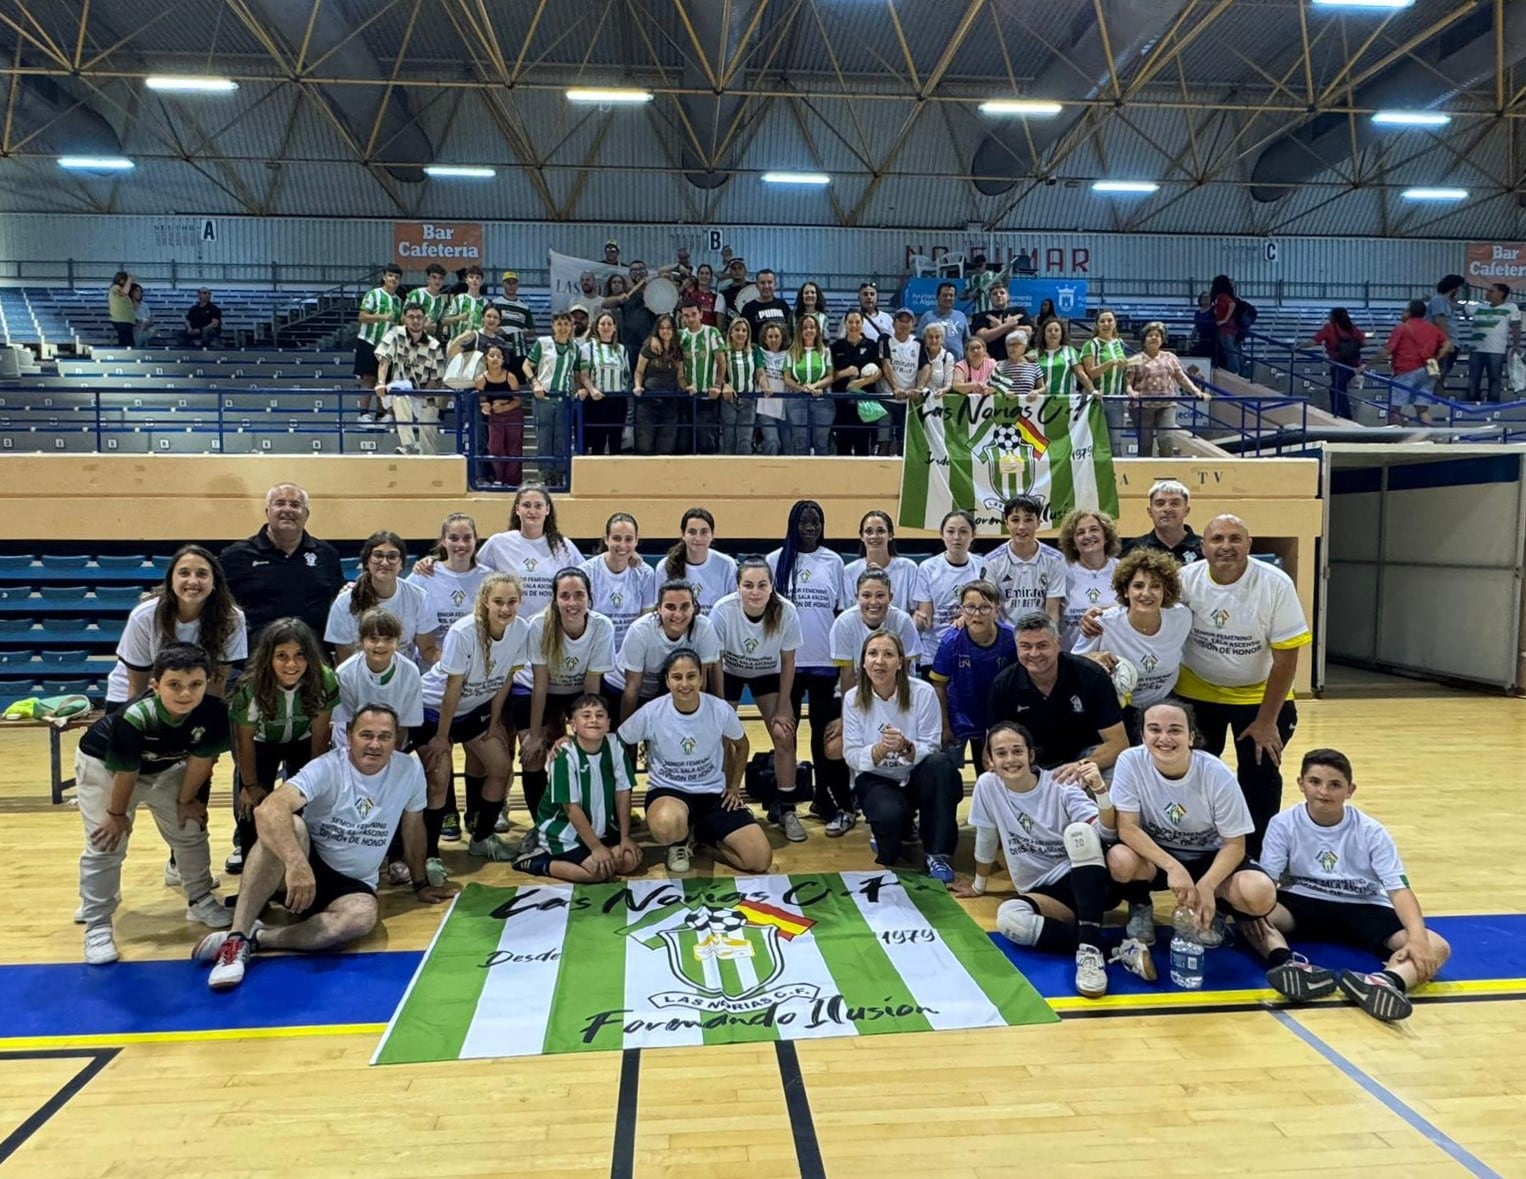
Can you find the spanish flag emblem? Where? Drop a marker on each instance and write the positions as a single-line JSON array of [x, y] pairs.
[[788, 924]]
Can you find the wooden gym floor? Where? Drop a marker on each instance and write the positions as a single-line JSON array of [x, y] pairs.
[[1247, 1089]]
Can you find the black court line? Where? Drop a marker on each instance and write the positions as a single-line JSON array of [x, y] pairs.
[[797, 1105], [98, 1059], [622, 1160]]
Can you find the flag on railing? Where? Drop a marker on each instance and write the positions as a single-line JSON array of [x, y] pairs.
[[973, 451]]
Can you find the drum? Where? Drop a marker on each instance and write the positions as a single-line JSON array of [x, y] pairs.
[[661, 295], [463, 370], [748, 294]]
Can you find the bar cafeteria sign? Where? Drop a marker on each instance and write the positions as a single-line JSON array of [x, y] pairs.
[[453, 244], [1492, 262]]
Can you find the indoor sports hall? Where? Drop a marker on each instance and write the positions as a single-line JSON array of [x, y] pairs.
[[460, 463]]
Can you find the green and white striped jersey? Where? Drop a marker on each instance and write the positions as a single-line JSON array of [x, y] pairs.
[[743, 368], [378, 301], [700, 351], [470, 307], [1114, 382], [291, 722], [587, 780], [434, 305], [608, 365], [1059, 380], [554, 363]]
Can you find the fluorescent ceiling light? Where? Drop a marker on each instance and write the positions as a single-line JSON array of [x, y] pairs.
[[459, 172], [96, 163], [1137, 187], [815, 178], [189, 84], [607, 96], [1435, 194], [1411, 119], [1380, 4], [1020, 106]]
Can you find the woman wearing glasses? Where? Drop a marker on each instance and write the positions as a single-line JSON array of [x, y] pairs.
[[379, 584], [968, 661]]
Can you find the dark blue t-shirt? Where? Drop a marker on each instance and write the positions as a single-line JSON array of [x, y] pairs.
[[969, 670]]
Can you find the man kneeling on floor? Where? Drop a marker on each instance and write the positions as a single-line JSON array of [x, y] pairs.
[[323, 836]]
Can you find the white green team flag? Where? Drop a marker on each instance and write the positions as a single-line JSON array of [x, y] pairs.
[[973, 451], [659, 963]]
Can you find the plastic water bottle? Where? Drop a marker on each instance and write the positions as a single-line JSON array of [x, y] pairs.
[[1186, 950]]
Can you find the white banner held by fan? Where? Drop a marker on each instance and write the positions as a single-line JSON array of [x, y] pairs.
[[567, 277]]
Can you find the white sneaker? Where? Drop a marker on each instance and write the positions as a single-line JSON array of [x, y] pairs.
[[206, 949], [172, 875], [100, 946], [1134, 956], [1141, 926], [1091, 973], [490, 848], [434, 868], [679, 857], [210, 911]]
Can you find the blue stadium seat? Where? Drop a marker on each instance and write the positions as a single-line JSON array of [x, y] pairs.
[[160, 563], [15, 657], [63, 561], [126, 594], [62, 593], [50, 655], [15, 593], [67, 687], [15, 562], [63, 623], [351, 568], [121, 562], [12, 624]]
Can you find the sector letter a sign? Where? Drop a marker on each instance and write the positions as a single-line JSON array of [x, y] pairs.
[[415, 244]]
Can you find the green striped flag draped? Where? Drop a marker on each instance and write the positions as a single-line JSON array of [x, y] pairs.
[[973, 451], [658, 963]]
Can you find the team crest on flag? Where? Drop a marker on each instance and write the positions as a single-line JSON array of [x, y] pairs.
[[974, 451], [671, 963]]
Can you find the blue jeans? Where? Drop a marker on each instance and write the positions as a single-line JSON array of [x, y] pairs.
[[1492, 364], [810, 420], [551, 440]]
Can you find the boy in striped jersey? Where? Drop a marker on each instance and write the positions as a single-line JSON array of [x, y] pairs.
[[465, 313], [584, 820], [704, 373], [551, 368], [380, 311], [1340, 879], [431, 298]]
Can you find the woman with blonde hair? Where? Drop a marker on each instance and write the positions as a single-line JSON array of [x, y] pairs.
[[1089, 543]]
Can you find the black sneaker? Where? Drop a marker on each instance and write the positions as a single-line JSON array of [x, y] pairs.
[[234, 864], [1376, 995], [1300, 980]]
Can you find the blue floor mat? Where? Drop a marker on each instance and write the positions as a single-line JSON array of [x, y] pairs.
[[72, 999]]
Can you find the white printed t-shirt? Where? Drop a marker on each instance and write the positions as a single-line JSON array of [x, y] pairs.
[[1235, 628], [684, 751], [746, 650], [1031, 824], [1354, 861], [1192, 816], [350, 816], [461, 654]]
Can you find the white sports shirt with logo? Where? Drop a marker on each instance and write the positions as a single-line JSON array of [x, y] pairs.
[[1158, 657], [818, 596], [461, 654], [591, 652], [1031, 824], [849, 631], [944, 580], [1192, 816], [746, 650], [647, 646], [1354, 862], [1235, 629], [350, 816], [1084, 588], [684, 751], [449, 595], [1026, 584]]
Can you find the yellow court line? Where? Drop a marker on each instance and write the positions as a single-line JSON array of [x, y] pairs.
[[203, 1036], [1210, 999]]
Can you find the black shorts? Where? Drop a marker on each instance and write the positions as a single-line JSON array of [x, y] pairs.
[[332, 884], [1061, 891], [709, 821], [558, 707], [540, 863], [365, 358], [759, 685], [1346, 923], [1197, 867], [464, 727]]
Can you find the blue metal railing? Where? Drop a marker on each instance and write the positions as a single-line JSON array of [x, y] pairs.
[[218, 420]]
